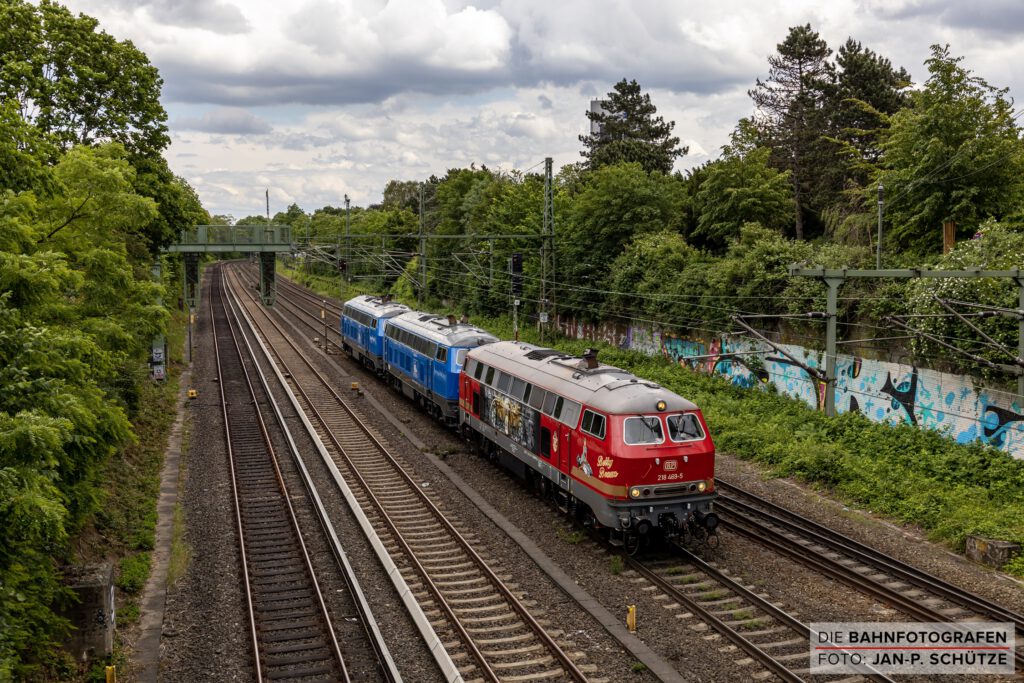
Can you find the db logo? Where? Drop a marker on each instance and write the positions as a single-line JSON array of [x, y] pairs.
[[670, 465]]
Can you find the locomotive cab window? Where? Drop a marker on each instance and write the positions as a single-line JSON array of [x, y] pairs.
[[503, 382], [518, 388], [593, 424], [537, 398], [470, 367], [460, 357], [549, 403], [570, 413], [558, 408], [442, 353], [638, 431], [685, 427]]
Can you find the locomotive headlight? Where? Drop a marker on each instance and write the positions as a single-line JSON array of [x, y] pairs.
[[662, 405], [701, 486], [634, 492]]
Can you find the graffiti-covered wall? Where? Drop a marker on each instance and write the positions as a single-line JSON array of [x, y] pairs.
[[882, 391]]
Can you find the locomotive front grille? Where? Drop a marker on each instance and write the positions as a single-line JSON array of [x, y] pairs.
[[671, 490]]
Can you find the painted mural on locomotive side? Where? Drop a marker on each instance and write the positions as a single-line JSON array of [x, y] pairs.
[[517, 421]]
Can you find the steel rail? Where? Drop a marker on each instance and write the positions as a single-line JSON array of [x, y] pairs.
[[865, 553], [563, 658], [285, 496], [370, 627], [234, 492]]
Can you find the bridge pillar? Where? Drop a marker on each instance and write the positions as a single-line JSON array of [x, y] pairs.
[[191, 279], [268, 283]]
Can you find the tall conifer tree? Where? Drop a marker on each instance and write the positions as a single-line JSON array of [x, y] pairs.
[[789, 103], [629, 131]]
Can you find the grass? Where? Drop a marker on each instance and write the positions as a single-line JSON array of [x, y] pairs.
[[571, 537], [134, 570], [616, 564], [712, 595], [638, 667], [181, 551]]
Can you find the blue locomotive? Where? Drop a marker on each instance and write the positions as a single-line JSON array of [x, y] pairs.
[[362, 328], [424, 354]]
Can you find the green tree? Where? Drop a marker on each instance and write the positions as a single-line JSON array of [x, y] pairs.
[[645, 277], [24, 151], [789, 102], [867, 91], [954, 155], [628, 131], [741, 188], [617, 203], [78, 83], [178, 205], [402, 194]]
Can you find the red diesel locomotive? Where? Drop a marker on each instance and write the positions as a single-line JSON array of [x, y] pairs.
[[616, 450]]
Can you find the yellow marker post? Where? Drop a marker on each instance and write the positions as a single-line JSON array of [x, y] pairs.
[[192, 393], [111, 674], [631, 619]]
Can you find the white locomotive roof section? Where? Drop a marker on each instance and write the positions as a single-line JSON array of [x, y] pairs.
[[606, 388], [436, 328], [377, 306]]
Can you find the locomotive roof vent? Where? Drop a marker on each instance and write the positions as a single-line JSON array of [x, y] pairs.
[[589, 359], [451, 320]]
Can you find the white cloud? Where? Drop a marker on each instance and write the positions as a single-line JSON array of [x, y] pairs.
[[318, 98], [228, 120]]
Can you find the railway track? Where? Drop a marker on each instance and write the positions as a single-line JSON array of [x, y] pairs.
[[290, 629], [912, 591], [291, 295], [768, 635], [490, 631], [908, 589]]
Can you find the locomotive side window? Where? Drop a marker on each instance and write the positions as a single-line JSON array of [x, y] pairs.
[[471, 368], [642, 430], [593, 424], [549, 403], [526, 393], [558, 408], [537, 398], [545, 442], [442, 354], [570, 413], [479, 371], [503, 382], [518, 387], [490, 377], [685, 427]]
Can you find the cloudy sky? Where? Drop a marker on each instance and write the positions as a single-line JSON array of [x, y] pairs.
[[318, 98]]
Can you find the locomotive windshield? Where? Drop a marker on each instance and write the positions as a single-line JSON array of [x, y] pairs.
[[685, 427], [642, 430]]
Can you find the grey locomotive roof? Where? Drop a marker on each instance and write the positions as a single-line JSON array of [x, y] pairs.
[[377, 306], [605, 388], [436, 329]]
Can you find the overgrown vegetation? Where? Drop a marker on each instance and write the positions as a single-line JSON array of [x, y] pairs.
[[86, 200]]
